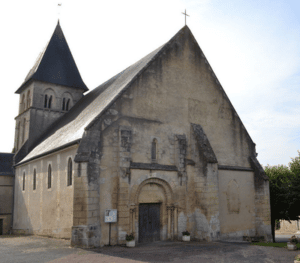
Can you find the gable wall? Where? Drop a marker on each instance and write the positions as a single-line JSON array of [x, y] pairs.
[[45, 211], [179, 89], [176, 90]]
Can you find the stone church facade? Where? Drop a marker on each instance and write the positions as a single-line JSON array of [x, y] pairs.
[[160, 142]]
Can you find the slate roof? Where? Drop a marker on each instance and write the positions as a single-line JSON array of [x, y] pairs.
[[6, 164], [56, 64], [71, 127]]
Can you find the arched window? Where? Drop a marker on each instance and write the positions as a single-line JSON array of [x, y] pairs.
[[22, 107], [154, 150], [63, 104], [24, 181], [79, 170], [18, 135], [23, 132], [46, 101], [69, 172], [28, 99], [34, 179], [68, 105], [49, 176], [49, 103]]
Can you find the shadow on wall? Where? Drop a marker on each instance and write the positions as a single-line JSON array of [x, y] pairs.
[[21, 220]]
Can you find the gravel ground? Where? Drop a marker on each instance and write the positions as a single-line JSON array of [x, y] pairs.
[[40, 249]]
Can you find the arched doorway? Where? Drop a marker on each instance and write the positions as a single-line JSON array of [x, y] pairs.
[[153, 213]]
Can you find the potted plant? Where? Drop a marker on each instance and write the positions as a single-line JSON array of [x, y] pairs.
[[130, 242], [186, 236], [292, 244], [297, 259]]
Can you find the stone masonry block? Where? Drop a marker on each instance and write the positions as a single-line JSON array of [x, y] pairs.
[[95, 213], [80, 214], [123, 208], [80, 207], [124, 190], [82, 221], [92, 220], [123, 196], [93, 207], [123, 201], [93, 194], [123, 214], [123, 221]]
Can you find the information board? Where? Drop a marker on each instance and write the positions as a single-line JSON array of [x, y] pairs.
[[111, 215]]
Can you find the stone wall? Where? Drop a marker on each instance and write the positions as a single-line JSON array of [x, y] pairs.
[[38, 118], [6, 202], [177, 90], [45, 211]]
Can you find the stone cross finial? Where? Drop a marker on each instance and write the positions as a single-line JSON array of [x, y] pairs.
[[185, 16]]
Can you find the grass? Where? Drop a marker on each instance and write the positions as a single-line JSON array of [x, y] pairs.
[[269, 244]]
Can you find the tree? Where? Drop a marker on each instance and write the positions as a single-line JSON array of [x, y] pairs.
[[284, 192]]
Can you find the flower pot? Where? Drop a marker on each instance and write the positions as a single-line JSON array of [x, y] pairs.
[[291, 246], [130, 243], [186, 238]]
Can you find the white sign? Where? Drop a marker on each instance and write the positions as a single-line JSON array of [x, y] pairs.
[[111, 215]]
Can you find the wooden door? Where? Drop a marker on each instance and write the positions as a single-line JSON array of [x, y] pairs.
[[149, 223]]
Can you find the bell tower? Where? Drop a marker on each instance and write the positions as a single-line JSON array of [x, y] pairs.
[[51, 88]]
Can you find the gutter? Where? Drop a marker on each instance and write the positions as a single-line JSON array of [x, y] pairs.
[[49, 152]]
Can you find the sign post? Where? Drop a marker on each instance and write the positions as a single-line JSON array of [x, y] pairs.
[[110, 217]]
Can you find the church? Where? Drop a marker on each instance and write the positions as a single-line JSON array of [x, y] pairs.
[[159, 143]]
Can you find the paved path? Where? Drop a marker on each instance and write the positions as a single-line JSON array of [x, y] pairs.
[[39, 249]]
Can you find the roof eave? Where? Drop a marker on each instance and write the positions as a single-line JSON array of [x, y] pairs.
[[49, 152], [29, 81]]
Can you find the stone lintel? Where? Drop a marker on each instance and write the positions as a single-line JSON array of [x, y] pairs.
[[152, 166], [234, 168]]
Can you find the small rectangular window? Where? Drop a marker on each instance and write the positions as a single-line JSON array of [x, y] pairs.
[[23, 181], [34, 179], [49, 176]]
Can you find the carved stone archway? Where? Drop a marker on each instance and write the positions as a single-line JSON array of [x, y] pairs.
[[166, 187], [168, 207]]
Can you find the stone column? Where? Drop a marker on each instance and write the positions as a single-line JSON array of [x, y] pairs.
[[132, 216], [175, 223], [169, 209]]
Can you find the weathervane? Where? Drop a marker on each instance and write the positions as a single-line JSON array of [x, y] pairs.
[[185, 16], [58, 9]]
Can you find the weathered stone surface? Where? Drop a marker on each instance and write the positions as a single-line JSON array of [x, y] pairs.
[[144, 142]]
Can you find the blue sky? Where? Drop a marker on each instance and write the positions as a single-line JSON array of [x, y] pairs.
[[252, 46]]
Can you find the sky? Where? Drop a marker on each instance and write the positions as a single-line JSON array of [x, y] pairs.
[[252, 46]]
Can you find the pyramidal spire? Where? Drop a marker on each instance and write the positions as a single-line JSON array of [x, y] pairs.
[[56, 64]]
